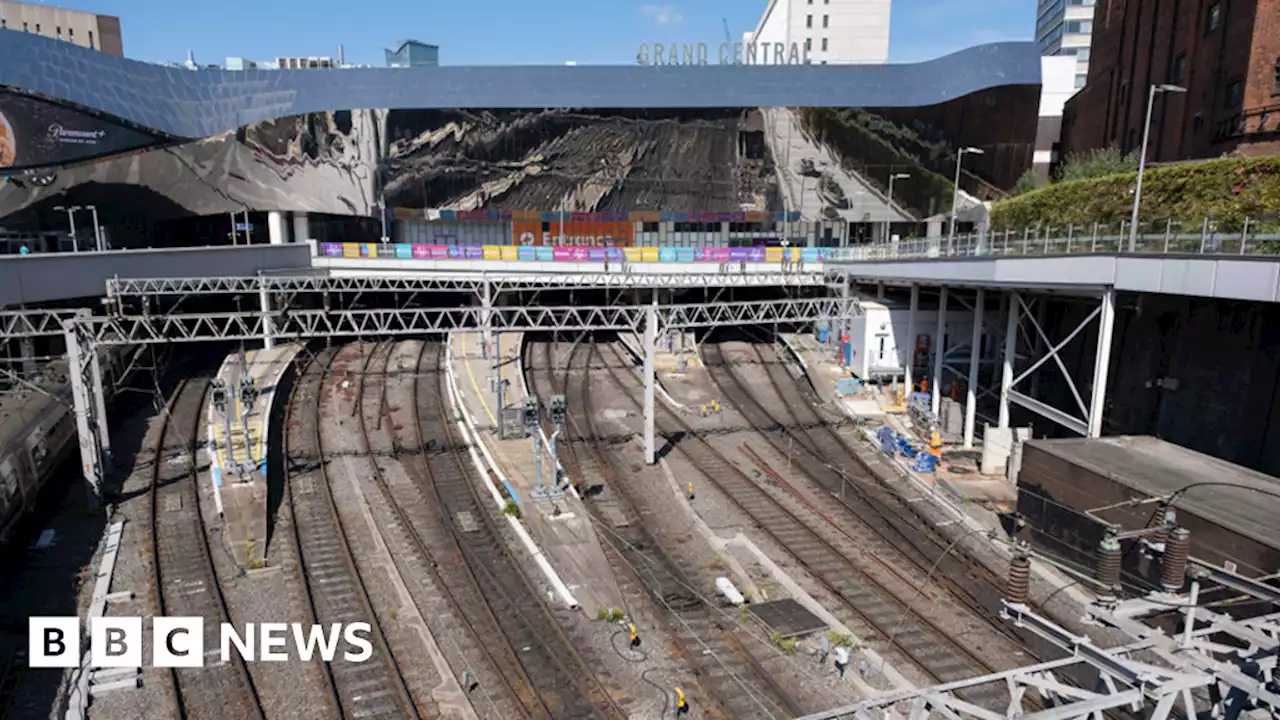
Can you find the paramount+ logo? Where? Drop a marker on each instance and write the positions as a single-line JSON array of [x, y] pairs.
[[179, 642]]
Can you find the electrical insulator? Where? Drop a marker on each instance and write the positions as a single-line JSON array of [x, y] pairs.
[[1018, 586], [1176, 551], [1107, 571]]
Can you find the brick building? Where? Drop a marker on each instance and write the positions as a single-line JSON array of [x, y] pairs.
[[1225, 52]]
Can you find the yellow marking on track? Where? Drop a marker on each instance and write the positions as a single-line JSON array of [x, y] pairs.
[[474, 385]]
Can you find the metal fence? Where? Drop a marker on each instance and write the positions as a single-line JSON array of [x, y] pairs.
[[1206, 237]]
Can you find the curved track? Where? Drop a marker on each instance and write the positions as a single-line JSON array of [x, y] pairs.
[[555, 681], [907, 637], [336, 592], [186, 582], [737, 681]]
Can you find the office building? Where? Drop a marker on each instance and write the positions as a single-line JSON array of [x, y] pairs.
[[91, 30], [1226, 55], [834, 32], [411, 53], [1065, 27]]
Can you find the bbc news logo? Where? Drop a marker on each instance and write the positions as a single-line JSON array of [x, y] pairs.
[[179, 642]]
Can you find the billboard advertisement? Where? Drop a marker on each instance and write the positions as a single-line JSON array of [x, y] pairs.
[[37, 134], [574, 233]]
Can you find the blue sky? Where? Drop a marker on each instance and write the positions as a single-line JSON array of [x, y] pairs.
[[509, 31]]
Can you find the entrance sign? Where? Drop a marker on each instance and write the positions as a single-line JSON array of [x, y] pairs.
[[762, 53]]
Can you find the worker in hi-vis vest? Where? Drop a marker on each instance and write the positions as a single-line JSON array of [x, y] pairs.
[[682, 704], [935, 443]]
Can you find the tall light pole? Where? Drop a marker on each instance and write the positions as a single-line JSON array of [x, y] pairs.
[[955, 195], [1142, 160], [71, 218], [887, 223]]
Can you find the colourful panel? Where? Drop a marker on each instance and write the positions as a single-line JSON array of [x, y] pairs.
[[526, 233], [526, 254], [773, 254], [457, 252], [422, 252], [331, 249], [614, 254], [561, 254], [545, 253], [755, 254], [404, 251], [793, 254], [633, 254], [474, 252], [492, 252], [684, 255], [407, 213], [666, 254], [649, 254], [439, 252], [510, 253], [596, 254], [809, 254], [350, 250], [738, 254]]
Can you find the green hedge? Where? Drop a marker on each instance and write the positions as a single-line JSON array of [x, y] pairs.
[[1227, 191]]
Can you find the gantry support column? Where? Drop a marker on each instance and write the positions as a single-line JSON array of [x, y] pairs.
[[1010, 356], [1102, 363], [27, 349], [276, 231], [268, 328], [846, 316], [650, 340], [911, 339], [486, 314], [301, 227], [99, 403], [939, 337], [975, 347], [80, 373]]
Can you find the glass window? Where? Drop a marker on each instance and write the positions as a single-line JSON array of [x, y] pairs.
[[1080, 80], [58, 28], [824, 49], [808, 21], [37, 28], [808, 44], [1234, 95], [1274, 91], [90, 39], [824, 21], [25, 28], [71, 34], [1079, 26]]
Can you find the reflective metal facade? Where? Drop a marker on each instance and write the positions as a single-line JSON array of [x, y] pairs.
[[197, 104]]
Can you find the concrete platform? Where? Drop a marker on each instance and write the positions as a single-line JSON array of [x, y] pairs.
[[238, 449], [558, 522]]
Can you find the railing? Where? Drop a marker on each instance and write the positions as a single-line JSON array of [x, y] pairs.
[[1170, 237]]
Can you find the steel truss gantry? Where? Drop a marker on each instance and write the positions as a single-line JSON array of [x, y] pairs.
[[1218, 666], [473, 283], [34, 323], [87, 333]]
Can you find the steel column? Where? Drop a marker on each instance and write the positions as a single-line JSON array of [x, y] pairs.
[[1010, 355], [650, 340], [939, 337], [90, 456], [911, 339], [268, 330], [1102, 363], [486, 313], [971, 398], [99, 402]]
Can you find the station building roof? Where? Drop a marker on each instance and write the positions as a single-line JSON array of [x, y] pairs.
[[189, 104]]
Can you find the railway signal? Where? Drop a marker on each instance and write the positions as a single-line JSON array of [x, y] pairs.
[[530, 416]]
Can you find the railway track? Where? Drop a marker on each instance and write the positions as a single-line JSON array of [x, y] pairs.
[[186, 582], [335, 590], [735, 678], [558, 683], [895, 528], [906, 636]]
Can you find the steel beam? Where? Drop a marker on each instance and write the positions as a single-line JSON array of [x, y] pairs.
[[939, 351], [1102, 363], [650, 349], [1010, 356], [975, 347], [910, 363], [79, 371], [1050, 412], [34, 323]]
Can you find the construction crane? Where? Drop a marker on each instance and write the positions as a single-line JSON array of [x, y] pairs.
[[727, 37]]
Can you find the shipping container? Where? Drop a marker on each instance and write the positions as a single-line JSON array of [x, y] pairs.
[[879, 341]]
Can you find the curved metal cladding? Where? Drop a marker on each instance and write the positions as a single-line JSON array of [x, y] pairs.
[[197, 104], [615, 139]]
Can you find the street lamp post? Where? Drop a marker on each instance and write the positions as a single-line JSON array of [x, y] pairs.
[[955, 195], [1142, 160], [888, 222], [71, 218]]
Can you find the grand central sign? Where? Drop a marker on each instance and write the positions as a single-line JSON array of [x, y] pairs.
[[762, 53]]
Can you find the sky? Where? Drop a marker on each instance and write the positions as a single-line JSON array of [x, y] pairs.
[[499, 32]]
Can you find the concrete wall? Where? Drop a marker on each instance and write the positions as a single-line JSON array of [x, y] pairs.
[[59, 276]]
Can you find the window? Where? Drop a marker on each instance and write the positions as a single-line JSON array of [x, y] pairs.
[[808, 44], [824, 62], [37, 28], [1178, 70], [71, 34], [1080, 79], [1214, 18], [90, 39], [58, 28], [1233, 96], [1079, 26], [1274, 91], [824, 21], [25, 28], [824, 49], [808, 21], [1082, 53], [4, 23]]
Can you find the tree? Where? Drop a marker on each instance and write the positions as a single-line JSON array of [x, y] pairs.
[[1097, 163], [1026, 182]]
